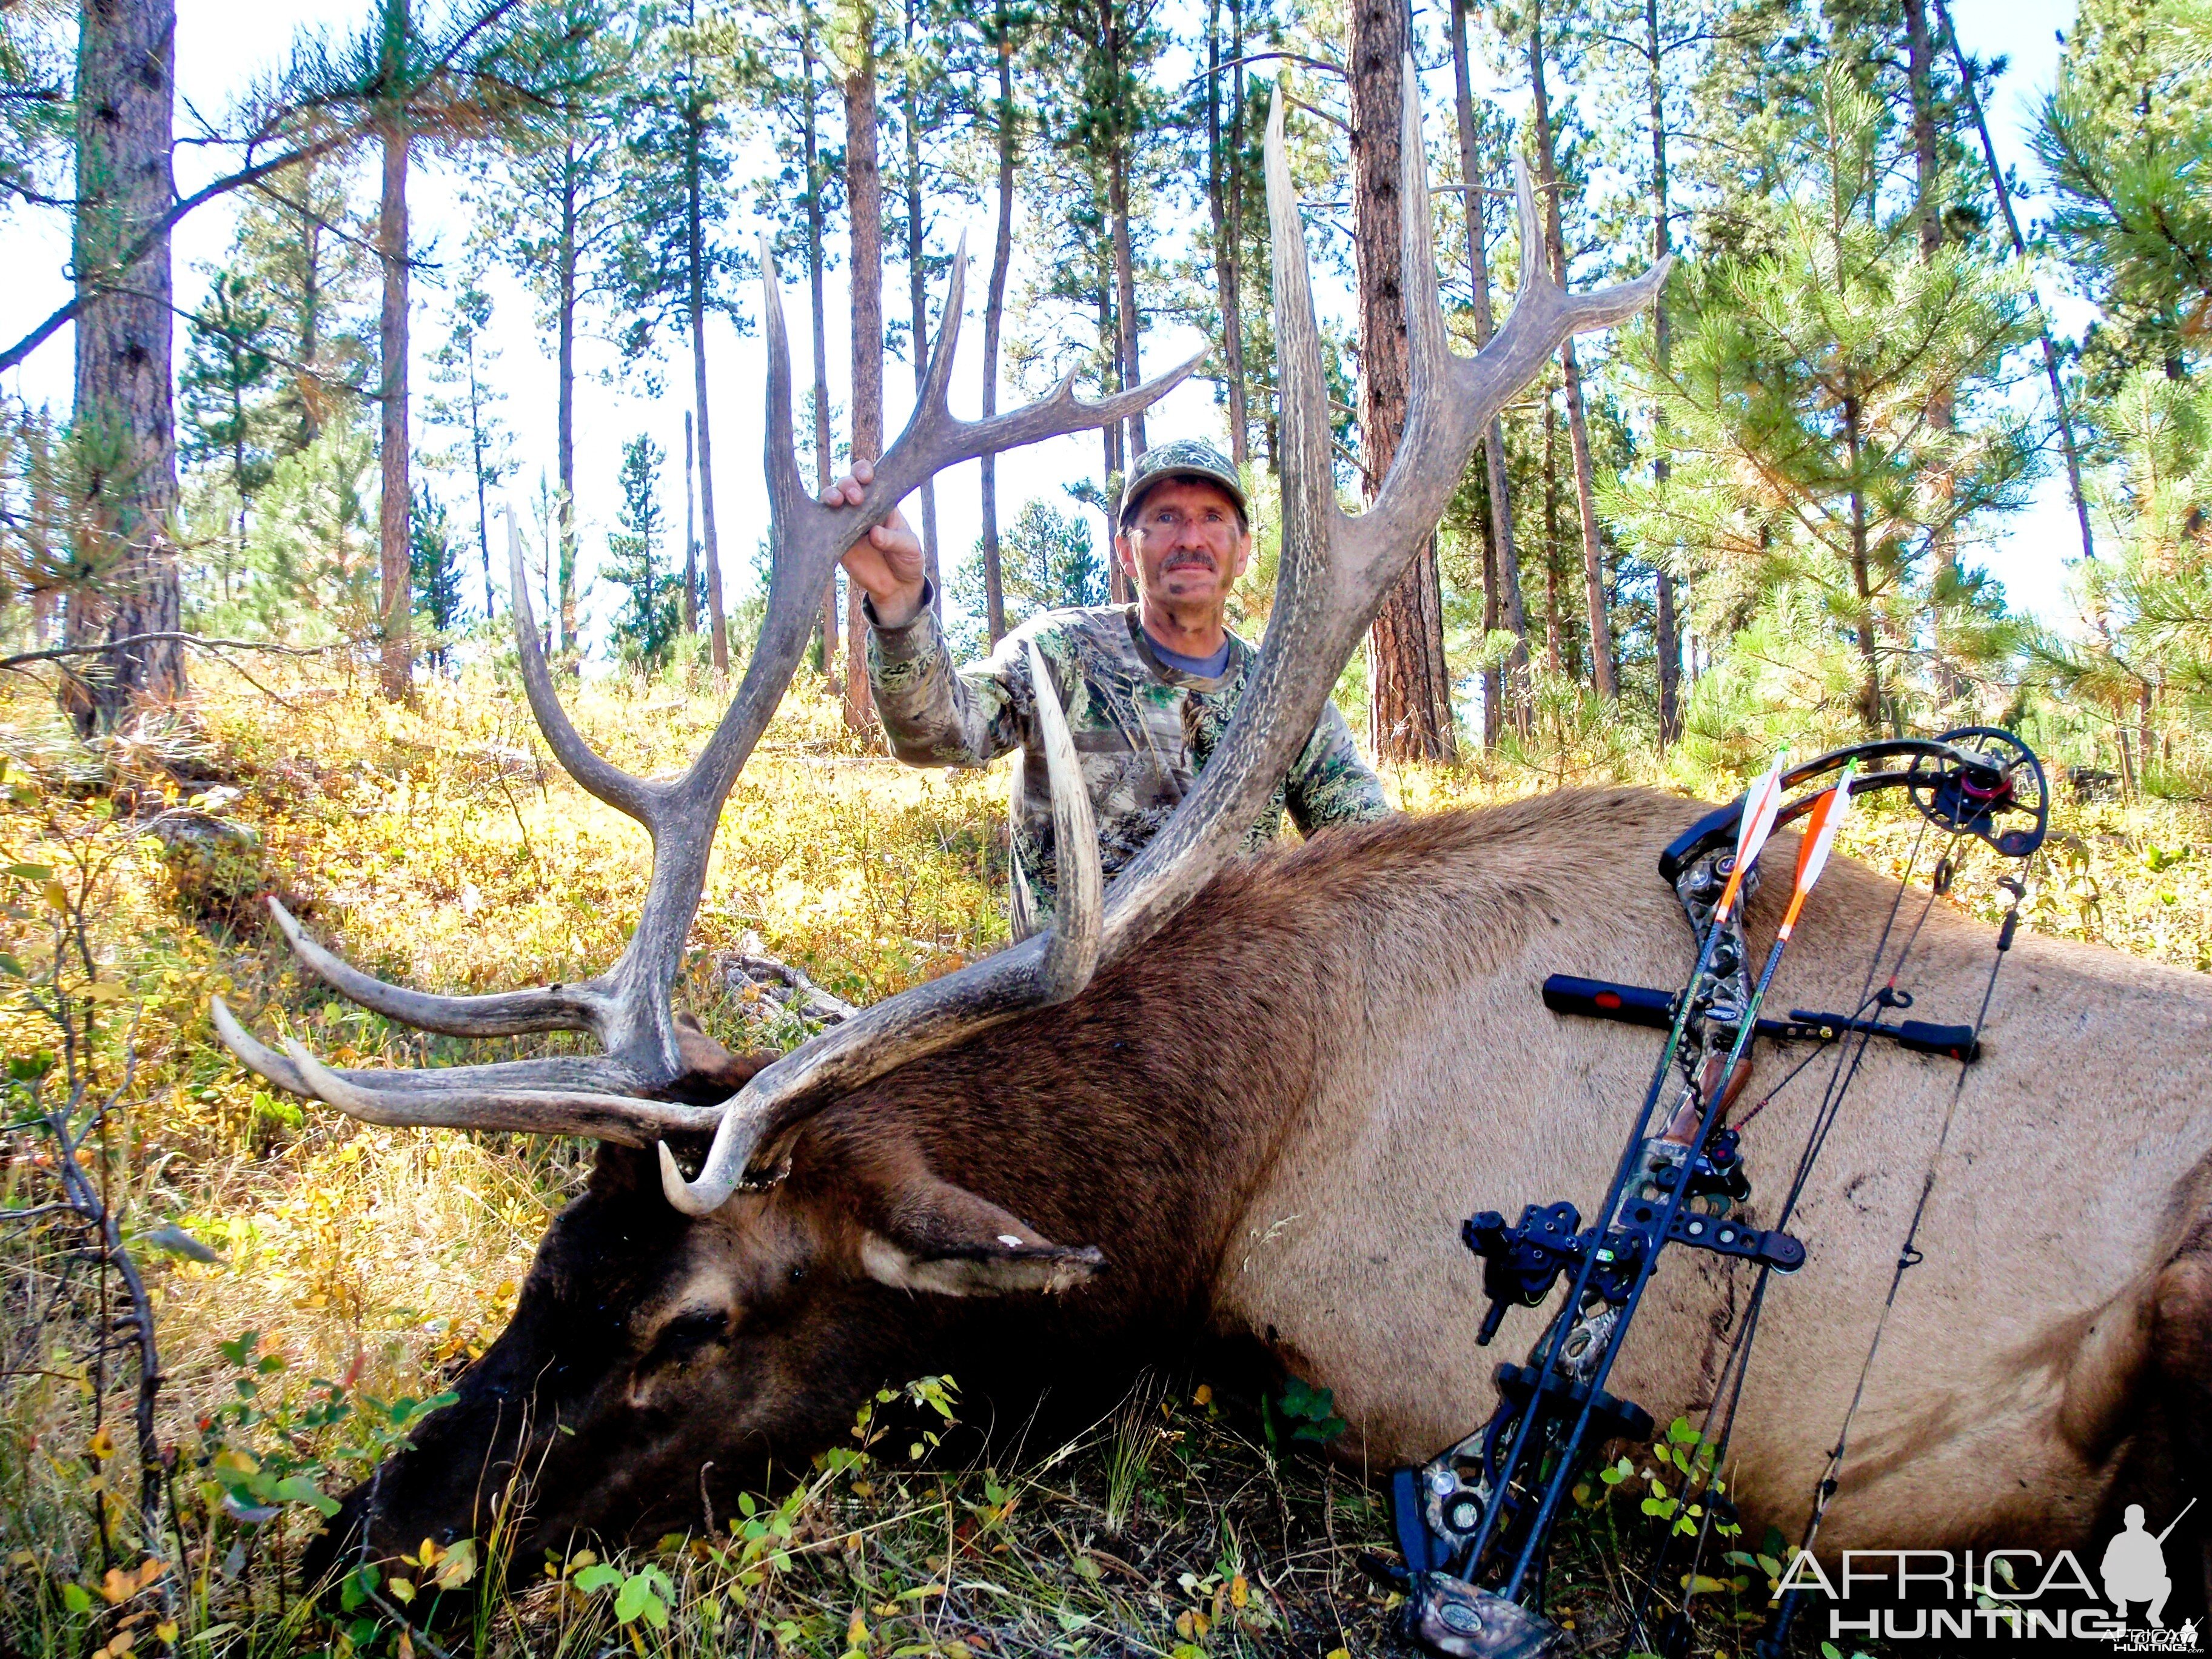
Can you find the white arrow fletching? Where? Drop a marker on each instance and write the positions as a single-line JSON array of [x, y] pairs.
[[1760, 805]]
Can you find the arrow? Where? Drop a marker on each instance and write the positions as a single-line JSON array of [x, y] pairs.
[[1760, 803], [1829, 813], [1760, 807]]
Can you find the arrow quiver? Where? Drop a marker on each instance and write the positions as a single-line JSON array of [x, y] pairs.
[[1473, 1523]]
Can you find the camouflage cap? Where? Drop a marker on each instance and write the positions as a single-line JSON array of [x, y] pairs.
[[1186, 458]]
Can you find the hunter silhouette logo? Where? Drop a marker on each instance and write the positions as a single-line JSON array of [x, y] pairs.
[[2135, 1566], [2009, 1594]]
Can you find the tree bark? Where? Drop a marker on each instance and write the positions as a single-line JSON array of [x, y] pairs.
[[1127, 323], [1225, 278], [1409, 687], [696, 254], [918, 293], [864, 197], [1118, 589], [1558, 649], [1002, 252], [1668, 642], [1863, 580], [476, 455], [814, 263], [1602, 674], [565, 439], [1502, 691], [126, 404], [311, 308], [397, 670], [690, 539]]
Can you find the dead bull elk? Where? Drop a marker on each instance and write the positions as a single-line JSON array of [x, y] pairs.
[[1269, 1120]]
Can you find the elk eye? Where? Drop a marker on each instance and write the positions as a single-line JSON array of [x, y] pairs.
[[688, 1330], [798, 1273]]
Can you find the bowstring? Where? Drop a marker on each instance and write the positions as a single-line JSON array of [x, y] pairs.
[[1908, 1256], [1737, 1361]]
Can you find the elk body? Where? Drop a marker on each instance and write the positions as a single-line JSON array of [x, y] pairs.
[[1267, 1121]]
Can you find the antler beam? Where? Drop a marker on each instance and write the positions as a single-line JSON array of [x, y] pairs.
[[1335, 570], [649, 1052]]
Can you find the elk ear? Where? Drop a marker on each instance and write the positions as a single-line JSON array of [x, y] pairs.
[[944, 1239]]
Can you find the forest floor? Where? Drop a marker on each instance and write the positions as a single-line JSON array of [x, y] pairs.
[[437, 846]]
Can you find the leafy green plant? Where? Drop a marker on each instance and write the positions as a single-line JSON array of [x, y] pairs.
[[1299, 1413]]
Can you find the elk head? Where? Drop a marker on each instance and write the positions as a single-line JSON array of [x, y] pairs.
[[737, 1318]]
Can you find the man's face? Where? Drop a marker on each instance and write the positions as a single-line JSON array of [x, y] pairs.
[[1185, 546]]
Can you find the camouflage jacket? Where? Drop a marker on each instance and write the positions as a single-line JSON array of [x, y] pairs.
[[1142, 729]]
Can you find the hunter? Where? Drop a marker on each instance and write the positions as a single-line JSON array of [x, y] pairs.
[[1148, 688]]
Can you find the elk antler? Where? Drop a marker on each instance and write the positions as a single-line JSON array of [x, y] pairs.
[[1335, 570], [659, 1074]]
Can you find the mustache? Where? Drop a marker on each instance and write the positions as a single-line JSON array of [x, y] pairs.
[[1189, 560]]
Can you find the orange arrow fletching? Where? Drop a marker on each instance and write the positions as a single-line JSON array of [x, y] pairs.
[[1829, 813]]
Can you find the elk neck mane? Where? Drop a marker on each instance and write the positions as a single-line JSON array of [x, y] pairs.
[[1142, 1115]]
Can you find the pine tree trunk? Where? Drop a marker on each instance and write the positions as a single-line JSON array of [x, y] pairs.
[[1118, 589], [564, 451], [1863, 580], [1602, 674], [397, 670], [126, 404], [918, 295], [864, 196], [311, 310], [1409, 687], [1558, 649], [1002, 252], [1126, 321], [1240, 390], [1506, 691], [1224, 248], [690, 539], [1668, 642], [827, 625], [696, 254], [484, 488]]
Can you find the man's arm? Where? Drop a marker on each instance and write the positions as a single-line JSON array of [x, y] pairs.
[[1328, 783], [932, 714]]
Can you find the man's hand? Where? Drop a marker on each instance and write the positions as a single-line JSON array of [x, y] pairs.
[[886, 562]]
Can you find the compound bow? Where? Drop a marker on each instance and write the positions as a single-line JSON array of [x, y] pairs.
[[1475, 1523]]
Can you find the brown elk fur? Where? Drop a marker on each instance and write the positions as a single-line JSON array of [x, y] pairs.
[[1270, 1122]]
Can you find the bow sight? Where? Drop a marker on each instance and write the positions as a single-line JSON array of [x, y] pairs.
[[1475, 1524]]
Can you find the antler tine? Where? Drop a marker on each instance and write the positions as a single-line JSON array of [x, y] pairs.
[[564, 1095], [934, 400], [1045, 969], [601, 776], [508, 1013], [618, 1118]]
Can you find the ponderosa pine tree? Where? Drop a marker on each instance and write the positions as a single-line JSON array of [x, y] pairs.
[[2126, 139], [1797, 390], [677, 265], [464, 365], [302, 250], [124, 425], [647, 625], [435, 574], [224, 397], [442, 82], [1409, 710], [553, 204], [794, 84], [858, 50]]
